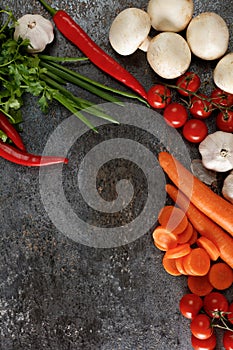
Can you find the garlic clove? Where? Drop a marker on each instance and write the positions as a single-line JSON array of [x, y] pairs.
[[202, 173], [227, 189]]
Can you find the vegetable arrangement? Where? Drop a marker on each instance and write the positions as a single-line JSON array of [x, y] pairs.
[[205, 314], [197, 243], [25, 70]]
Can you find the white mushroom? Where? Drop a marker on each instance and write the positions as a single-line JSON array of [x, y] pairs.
[[208, 36], [169, 55], [129, 31], [223, 73], [170, 15]]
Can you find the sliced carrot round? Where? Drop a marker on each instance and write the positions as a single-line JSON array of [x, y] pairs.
[[179, 251], [197, 262], [194, 237], [200, 285], [170, 266], [173, 218], [186, 235], [209, 246], [180, 266], [164, 238], [221, 276]]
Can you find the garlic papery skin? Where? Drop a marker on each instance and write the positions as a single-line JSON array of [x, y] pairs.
[[37, 29], [227, 189], [217, 151]]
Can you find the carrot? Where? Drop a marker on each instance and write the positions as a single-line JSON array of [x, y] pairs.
[[221, 276], [170, 266], [186, 235], [210, 247], [164, 238], [173, 218], [212, 205], [179, 251], [197, 262], [204, 225], [194, 237], [200, 285], [180, 266]]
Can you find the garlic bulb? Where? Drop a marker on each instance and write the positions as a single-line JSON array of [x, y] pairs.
[[227, 189], [37, 29], [217, 151]]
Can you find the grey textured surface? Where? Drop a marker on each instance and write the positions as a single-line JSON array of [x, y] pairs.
[[55, 293]]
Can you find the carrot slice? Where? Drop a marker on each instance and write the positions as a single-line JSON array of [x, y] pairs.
[[186, 235], [208, 202], [180, 266], [170, 266], [200, 285], [210, 247], [194, 237], [203, 225], [221, 276], [164, 238], [173, 218], [179, 251], [197, 262]]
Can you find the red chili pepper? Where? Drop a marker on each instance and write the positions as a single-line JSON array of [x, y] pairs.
[[17, 156], [10, 131], [73, 32]]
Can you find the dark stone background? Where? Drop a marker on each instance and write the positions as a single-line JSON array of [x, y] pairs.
[[60, 295]]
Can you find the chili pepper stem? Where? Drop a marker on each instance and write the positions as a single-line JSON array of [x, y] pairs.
[[49, 8]]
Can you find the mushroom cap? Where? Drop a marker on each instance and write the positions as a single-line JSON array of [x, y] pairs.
[[129, 30], [170, 15], [208, 36], [223, 73], [169, 55]]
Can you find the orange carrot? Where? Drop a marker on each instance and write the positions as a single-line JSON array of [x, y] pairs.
[[173, 218], [180, 266], [210, 247], [164, 238], [204, 225], [200, 285], [212, 205], [221, 276], [194, 237], [170, 266], [179, 251], [186, 235], [197, 262]]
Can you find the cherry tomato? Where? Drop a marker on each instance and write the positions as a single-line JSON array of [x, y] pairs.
[[206, 344], [228, 340], [230, 315], [215, 303], [195, 130], [175, 115], [200, 106], [201, 326], [224, 121], [222, 98], [159, 96], [190, 305], [189, 81]]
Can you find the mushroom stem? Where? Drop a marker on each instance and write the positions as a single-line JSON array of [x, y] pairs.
[[145, 44]]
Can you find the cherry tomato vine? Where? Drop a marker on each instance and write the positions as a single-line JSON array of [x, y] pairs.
[[199, 105], [205, 314]]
